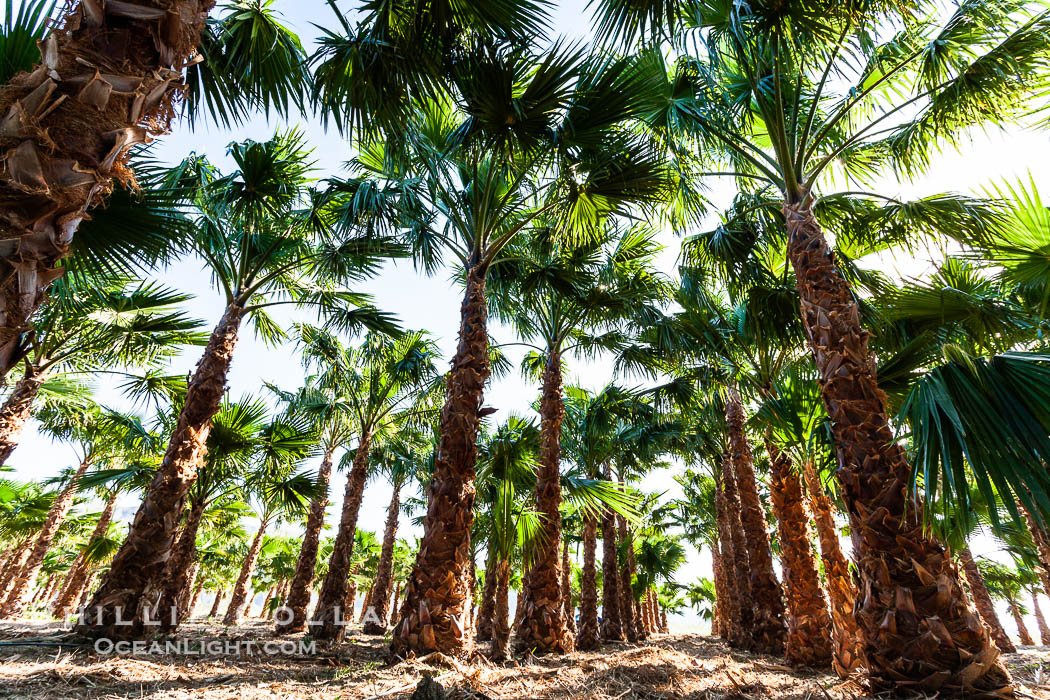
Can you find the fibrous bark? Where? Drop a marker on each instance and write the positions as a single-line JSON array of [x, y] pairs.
[[191, 604], [56, 515], [728, 596], [918, 630], [329, 618], [483, 628], [983, 601], [184, 601], [1042, 547], [107, 81], [1022, 630], [808, 642], [612, 620], [133, 575], [78, 572], [384, 574], [183, 556], [740, 567], [500, 621], [631, 623], [299, 593], [587, 636], [566, 587], [1044, 631], [240, 598], [768, 631], [718, 613], [17, 408], [14, 565], [543, 628], [432, 610], [219, 593]]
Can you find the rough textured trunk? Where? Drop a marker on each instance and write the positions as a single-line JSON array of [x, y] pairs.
[[740, 571], [543, 628], [842, 592], [566, 587], [108, 79], [432, 611], [730, 623], [718, 613], [1022, 630], [187, 613], [219, 593], [483, 627], [631, 623], [917, 628], [768, 632], [266, 601], [612, 620], [500, 620], [384, 575], [183, 609], [78, 572], [329, 610], [588, 635], [394, 608], [1044, 631], [180, 564], [664, 627], [809, 632], [366, 603], [1042, 547], [240, 597], [351, 597], [140, 562], [983, 601], [14, 565], [299, 592], [16, 411], [56, 515]]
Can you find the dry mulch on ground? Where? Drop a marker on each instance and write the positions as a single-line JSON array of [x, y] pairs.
[[668, 666]]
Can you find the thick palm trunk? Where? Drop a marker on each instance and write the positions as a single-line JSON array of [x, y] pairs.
[[219, 593], [842, 591], [330, 619], [384, 575], [740, 572], [108, 80], [500, 620], [78, 572], [917, 628], [588, 635], [432, 610], [612, 619], [543, 629], [983, 601], [140, 562], [240, 598], [180, 565], [729, 599], [1044, 631], [299, 593], [14, 565], [56, 515], [631, 624], [767, 599], [483, 627], [566, 587], [16, 411], [809, 638], [1022, 630]]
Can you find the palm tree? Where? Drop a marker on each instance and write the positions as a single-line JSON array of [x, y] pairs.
[[1007, 584], [269, 240], [386, 383]]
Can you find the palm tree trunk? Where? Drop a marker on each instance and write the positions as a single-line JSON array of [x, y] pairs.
[[566, 587], [107, 82], [588, 636], [384, 575], [767, 598], [718, 614], [483, 627], [1044, 631], [366, 603], [14, 565], [351, 597], [240, 598], [266, 601], [432, 609], [543, 628], [16, 411], [219, 593], [740, 571], [299, 592], [19, 594], [500, 620], [983, 601], [183, 605], [664, 627], [630, 621], [135, 570], [180, 565], [910, 590], [192, 604], [329, 619], [1042, 547], [78, 572], [612, 629], [809, 642], [728, 597], [394, 608], [1022, 630]]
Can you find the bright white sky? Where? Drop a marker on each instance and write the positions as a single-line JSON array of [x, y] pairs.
[[433, 303]]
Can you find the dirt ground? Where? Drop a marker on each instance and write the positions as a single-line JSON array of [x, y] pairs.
[[668, 666]]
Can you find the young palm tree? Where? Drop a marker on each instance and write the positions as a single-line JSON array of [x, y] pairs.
[[268, 240]]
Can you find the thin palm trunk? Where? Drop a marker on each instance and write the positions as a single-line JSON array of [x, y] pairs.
[[384, 575], [914, 618], [16, 411], [266, 601], [543, 628], [180, 565], [566, 587], [983, 601], [432, 609], [107, 81], [1044, 631], [588, 635], [219, 593], [78, 572], [729, 598], [366, 603], [740, 573], [1022, 629], [768, 632], [56, 515], [809, 634], [351, 597], [718, 614], [630, 621], [394, 608], [136, 568], [330, 619], [1042, 548], [240, 599], [299, 592], [500, 620], [612, 621], [13, 566], [483, 628], [183, 606], [187, 613]]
